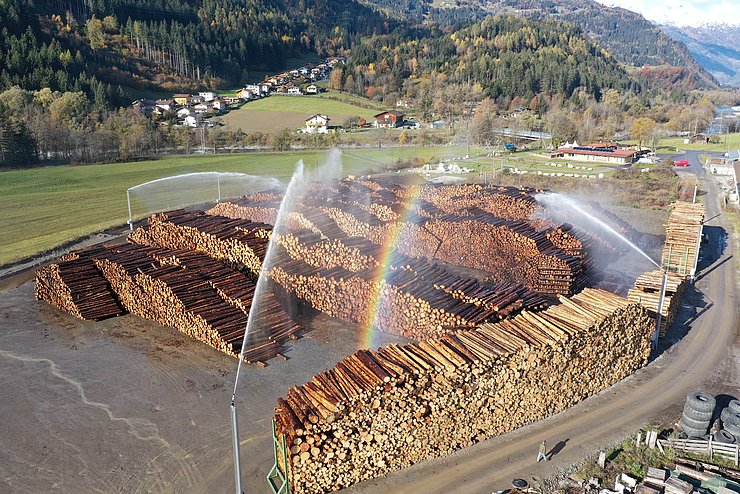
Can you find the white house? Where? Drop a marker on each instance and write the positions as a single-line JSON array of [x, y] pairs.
[[312, 89], [165, 104], [184, 112], [207, 95], [190, 121], [294, 90], [257, 90], [203, 107], [218, 104], [317, 124], [245, 94]]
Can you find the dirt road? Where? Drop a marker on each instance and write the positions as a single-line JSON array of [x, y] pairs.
[[608, 417]]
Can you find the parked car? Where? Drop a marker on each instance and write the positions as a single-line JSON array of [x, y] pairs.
[[681, 163]]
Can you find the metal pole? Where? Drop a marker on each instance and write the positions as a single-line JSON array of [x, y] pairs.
[[235, 441], [693, 201], [696, 254], [130, 216], [659, 319], [218, 186]]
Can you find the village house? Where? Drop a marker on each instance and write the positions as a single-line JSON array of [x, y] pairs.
[[232, 100], [389, 119], [184, 112], [258, 90], [219, 104], [294, 90], [245, 94], [317, 124], [182, 99], [312, 89], [207, 95], [191, 121], [165, 105], [601, 155], [143, 107], [203, 107]]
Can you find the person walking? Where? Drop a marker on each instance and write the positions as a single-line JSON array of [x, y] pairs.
[[542, 453]]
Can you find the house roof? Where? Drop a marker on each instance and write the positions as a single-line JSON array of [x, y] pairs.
[[390, 112], [618, 153], [181, 95], [319, 115]]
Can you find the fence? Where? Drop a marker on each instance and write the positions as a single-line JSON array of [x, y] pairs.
[[708, 447]]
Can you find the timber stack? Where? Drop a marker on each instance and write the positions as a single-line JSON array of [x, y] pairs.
[[75, 285], [380, 411], [682, 238], [480, 227], [647, 293], [187, 290]]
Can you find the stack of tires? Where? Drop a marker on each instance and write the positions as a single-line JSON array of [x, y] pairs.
[[730, 417], [697, 414]]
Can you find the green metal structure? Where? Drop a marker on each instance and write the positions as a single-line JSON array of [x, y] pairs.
[[278, 479]]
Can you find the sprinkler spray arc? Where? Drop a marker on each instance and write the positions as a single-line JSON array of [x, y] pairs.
[[554, 200], [294, 193]]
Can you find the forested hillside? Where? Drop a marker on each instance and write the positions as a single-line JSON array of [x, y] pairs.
[[629, 37], [500, 56], [169, 43]]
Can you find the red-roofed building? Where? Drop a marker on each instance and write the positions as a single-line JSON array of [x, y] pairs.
[[389, 119], [601, 155]]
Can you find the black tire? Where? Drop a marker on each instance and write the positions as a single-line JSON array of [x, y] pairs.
[[734, 405], [700, 416], [733, 429], [730, 417], [691, 432], [724, 437], [695, 424], [700, 401]]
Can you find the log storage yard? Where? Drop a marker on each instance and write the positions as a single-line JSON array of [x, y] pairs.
[[380, 324]]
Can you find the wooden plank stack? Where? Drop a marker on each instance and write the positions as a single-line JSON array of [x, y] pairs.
[[379, 411], [682, 236], [647, 293]]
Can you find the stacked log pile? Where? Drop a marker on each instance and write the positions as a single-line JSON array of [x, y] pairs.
[[481, 227], [399, 297], [187, 290], [376, 412], [75, 285], [647, 293], [241, 243], [682, 236]]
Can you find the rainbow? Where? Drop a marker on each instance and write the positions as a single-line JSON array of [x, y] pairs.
[[367, 327]]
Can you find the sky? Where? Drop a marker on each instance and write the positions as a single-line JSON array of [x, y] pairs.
[[683, 12]]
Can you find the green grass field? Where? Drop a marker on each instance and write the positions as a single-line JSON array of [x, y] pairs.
[[43, 208], [278, 112], [671, 144]]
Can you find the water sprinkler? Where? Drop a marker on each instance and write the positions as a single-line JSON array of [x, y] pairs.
[[235, 442]]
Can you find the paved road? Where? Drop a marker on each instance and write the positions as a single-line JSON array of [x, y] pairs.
[[608, 417]]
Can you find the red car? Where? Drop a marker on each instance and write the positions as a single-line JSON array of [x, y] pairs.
[[681, 163]]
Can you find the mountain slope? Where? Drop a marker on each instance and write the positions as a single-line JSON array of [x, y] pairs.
[[628, 36], [504, 56], [715, 47], [170, 43]]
